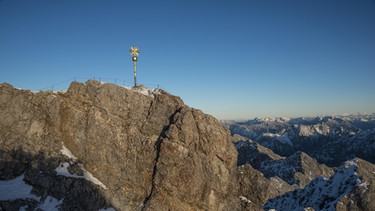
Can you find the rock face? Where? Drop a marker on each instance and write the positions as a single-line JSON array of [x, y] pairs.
[[255, 189], [145, 149]]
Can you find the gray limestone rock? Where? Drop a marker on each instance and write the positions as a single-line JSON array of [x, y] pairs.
[[143, 149]]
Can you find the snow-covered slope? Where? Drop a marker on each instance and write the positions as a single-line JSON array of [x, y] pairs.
[[326, 194]]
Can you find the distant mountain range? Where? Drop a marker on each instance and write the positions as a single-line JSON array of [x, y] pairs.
[[329, 161], [330, 139]]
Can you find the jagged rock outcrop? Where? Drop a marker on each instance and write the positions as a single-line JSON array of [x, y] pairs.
[[363, 195], [350, 188], [252, 152], [298, 169], [254, 189], [147, 149], [305, 168]]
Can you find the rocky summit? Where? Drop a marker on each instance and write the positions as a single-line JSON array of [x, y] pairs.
[[99, 146]]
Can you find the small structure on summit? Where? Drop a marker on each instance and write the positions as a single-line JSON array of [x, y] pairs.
[[134, 51]]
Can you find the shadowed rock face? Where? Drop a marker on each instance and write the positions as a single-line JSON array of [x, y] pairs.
[[44, 185], [148, 149]]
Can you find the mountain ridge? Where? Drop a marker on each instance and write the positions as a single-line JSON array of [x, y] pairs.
[[316, 136], [334, 193], [99, 146]]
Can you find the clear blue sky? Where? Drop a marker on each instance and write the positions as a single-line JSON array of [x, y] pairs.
[[234, 59]]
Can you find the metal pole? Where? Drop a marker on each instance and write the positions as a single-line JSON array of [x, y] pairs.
[[135, 73], [134, 51]]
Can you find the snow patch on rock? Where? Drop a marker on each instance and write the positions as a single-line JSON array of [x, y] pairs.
[[62, 169]]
